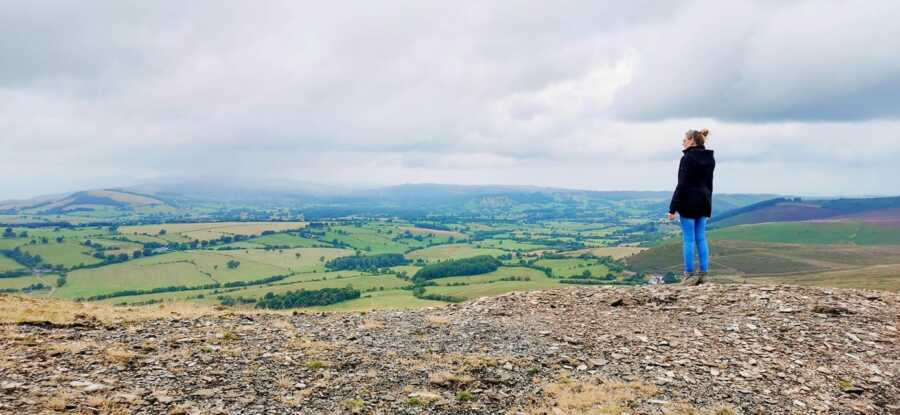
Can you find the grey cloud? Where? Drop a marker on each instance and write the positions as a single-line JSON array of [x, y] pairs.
[[763, 61], [517, 92]]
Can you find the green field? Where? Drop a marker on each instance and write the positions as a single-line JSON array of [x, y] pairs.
[[489, 284], [396, 299], [194, 268], [140, 274], [452, 251], [819, 233], [284, 239], [574, 267], [67, 254], [509, 245], [7, 264], [184, 232], [365, 239], [25, 281], [503, 272], [297, 260]]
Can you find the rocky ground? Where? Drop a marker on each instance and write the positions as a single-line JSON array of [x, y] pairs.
[[717, 349]]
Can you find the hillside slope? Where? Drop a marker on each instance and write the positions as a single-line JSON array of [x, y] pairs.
[[878, 211], [86, 201], [722, 349]]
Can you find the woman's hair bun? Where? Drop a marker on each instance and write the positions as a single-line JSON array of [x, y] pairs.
[[704, 132]]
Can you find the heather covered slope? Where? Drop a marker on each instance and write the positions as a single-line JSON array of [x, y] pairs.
[[711, 349]]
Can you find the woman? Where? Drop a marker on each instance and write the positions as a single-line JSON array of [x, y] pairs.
[[693, 202]]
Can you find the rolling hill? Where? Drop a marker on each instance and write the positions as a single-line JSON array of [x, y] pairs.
[[81, 202], [189, 200], [877, 211]]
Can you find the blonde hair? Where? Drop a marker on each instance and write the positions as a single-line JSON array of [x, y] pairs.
[[698, 137]]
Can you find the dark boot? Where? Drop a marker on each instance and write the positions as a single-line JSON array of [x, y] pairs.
[[702, 277], [689, 279]]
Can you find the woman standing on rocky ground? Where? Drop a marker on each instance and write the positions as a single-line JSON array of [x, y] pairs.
[[692, 202]]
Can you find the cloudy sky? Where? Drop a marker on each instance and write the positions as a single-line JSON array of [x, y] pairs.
[[801, 97]]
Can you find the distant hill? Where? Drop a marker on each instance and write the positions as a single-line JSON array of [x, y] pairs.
[[877, 211], [236, 200], [81, 202]]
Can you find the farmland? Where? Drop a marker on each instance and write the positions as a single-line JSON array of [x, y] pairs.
[[243, 261], [236, 263], [208, 231], [452, 251]]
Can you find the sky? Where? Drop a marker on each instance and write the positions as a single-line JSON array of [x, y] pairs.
[[800, 97]]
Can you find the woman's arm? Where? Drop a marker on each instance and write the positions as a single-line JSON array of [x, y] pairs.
[[676, 197]]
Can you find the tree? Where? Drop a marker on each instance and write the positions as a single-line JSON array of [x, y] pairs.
[[232, 264], [60, 239], [8, 233]]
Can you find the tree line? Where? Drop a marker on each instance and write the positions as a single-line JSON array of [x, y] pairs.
[[481, 264], [366, 262], [307, 298]]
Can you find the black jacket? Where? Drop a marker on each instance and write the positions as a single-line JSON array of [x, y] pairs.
[[693, 196]]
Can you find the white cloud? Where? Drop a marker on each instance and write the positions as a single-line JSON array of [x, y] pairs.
[[572, 93]]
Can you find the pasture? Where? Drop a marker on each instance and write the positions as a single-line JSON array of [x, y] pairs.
[[68, 254], [195, 268], [509, 245], [283, 239], [574, 267], [140, 274], [616, 252], [7, 265], [27, 280], [208, 231], [452, 251], [491, 284]]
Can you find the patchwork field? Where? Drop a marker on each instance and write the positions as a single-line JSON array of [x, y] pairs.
[[282, 239], [209, 231], [509, 245], [617, 252], [68, 254], [491, 284], [297, 260], [194, 268], [142, 274], [453, 251], [574, 267], [7, 265], [395, 299], [26, 281]]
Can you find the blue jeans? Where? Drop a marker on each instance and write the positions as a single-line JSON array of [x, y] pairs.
[[694, 233]]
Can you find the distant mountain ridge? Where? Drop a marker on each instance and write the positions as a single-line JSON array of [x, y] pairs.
[[81, 201], [407, 200]]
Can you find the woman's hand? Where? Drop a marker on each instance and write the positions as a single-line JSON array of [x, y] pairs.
[[671, 217]]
